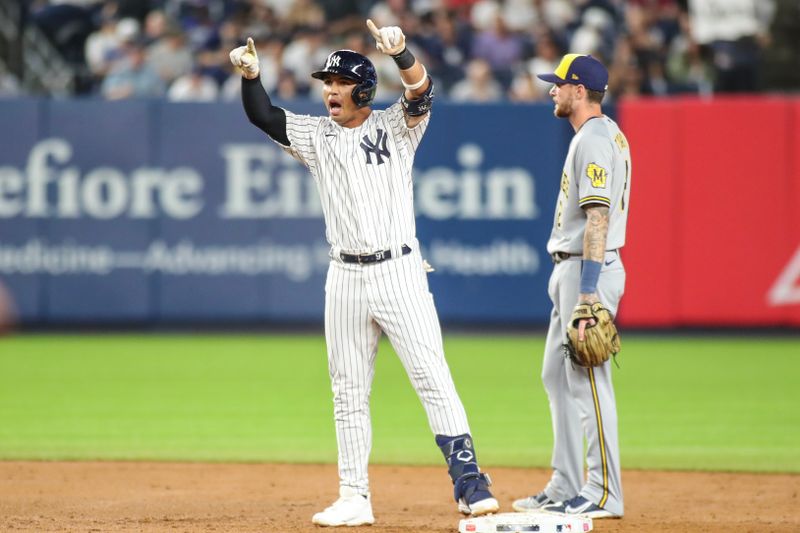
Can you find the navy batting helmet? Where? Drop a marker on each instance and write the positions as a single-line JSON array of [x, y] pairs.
[[355, 67]]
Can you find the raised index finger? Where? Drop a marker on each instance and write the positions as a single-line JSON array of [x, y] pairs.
[[373, 29], [251, 47]]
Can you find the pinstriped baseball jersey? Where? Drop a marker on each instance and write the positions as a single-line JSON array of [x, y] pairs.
[[597, 170], [363, 175], [364, 179]]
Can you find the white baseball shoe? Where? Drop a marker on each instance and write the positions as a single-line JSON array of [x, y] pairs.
[[479, 508], [351, 509]]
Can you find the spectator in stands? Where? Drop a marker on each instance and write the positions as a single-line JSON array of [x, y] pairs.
[[595, 33], [478, 86], [686, 68], [546, 57], [494, 43], [445, 42], [170, 55], [104, 44], [197, 23], [523, 87], [520, 15], [9, 84], [303, 14], [342, 16], [194, 87], [132, 77], [287, 87], [210, 62], [734, 33], [652, 47], [156, 25], [558, 15], [625, 75], [260, 20], [302, 55]]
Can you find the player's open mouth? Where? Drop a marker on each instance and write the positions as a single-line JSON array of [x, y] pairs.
[[335, 107]]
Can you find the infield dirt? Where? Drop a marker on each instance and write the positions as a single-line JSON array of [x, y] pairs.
[[192, 497]]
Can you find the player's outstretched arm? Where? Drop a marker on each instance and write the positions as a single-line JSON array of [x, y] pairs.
[[418, 94], [257, 105]]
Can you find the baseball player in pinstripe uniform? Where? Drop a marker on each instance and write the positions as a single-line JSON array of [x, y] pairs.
[[361, 160], [588, 232]]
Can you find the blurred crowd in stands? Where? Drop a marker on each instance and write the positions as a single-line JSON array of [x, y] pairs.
[[476, 50]]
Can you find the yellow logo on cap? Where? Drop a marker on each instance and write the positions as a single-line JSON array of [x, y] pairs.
[[598, 175], [575, 76]]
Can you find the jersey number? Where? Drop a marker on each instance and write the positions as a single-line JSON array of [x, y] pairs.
[[559, 212], [565, 190], [625, 187]]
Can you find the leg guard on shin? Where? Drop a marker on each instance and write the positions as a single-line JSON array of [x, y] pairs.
[[470, 486]]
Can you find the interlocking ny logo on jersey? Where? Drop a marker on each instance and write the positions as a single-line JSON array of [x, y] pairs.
[[378, 147]]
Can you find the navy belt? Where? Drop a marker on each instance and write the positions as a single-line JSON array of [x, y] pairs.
[[368, 259]]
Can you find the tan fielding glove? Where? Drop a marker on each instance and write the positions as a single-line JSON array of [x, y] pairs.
[[600, 341], [245, 59]]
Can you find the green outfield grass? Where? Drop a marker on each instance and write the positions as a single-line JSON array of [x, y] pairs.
[[685, 403]]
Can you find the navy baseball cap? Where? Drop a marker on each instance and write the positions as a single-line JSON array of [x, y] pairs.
[[579, 69]]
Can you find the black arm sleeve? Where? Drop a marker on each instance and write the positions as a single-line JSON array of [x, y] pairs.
[[262, 114]]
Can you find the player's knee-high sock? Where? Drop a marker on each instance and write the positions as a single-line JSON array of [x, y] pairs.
[[468, 481]]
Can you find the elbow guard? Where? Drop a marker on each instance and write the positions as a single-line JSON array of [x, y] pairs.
[[418, 106]]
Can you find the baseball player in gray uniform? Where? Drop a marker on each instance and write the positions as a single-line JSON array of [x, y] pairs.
[[588, 232], [361, 160]]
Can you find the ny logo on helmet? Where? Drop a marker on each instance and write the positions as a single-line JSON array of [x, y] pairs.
[[333, 61], [378, 147]]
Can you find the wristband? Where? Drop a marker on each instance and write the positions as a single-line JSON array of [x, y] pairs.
[[404, 59], [590, 273], [420, 83]]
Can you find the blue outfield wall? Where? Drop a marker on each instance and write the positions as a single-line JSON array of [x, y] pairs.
[[156, 212]]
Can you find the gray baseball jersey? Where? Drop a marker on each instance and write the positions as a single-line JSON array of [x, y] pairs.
[[582, 403], [363, 175], [597, 171]]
